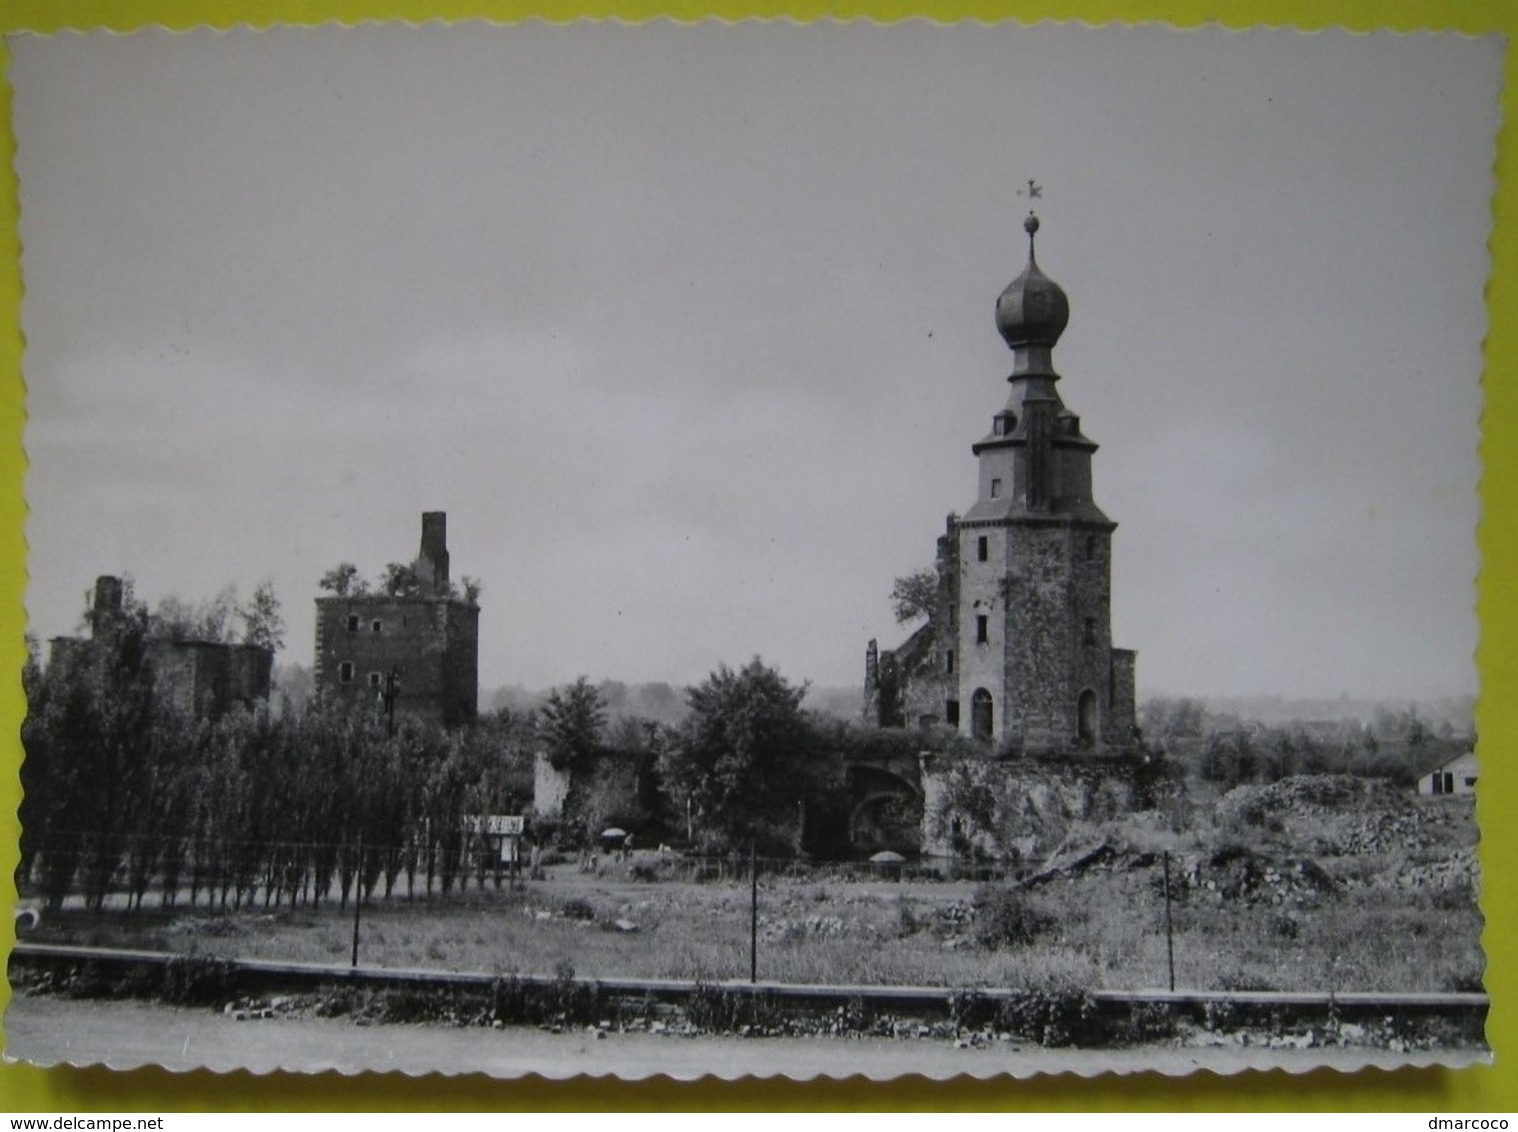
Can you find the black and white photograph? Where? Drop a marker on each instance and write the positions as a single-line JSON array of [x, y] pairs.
[[751, 549]]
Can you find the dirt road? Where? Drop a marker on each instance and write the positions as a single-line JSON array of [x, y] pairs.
[[123, 1035]]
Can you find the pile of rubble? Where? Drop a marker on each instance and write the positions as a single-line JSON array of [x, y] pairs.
[[1236, 874], [1340, 815], [806, 927], [1459, 871]]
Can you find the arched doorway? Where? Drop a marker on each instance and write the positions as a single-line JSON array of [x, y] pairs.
[[981, 718], [1085, 718]]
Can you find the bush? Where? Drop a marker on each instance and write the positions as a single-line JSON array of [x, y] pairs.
[[971, 1010], [646, 871], [1004, 917], [1057, 1015], [907, 921], [723, 1010], [190, 980], [1149, 1022], [563, 1002], [578, 908]]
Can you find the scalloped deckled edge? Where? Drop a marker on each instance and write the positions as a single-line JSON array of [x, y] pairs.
[[1269, 1061]]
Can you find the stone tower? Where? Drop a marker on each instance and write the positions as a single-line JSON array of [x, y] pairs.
[[412, 653], [1028, 644], [1019, 650]]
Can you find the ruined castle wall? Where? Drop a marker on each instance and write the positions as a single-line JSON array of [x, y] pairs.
[[550, 787], [206, 679], [1020, 809], [1124, 708], [433, 645]]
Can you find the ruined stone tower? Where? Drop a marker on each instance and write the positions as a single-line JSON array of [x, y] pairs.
[[1019, 651], [412, 653]]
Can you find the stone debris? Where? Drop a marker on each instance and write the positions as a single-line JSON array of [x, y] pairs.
[[1340, 815]]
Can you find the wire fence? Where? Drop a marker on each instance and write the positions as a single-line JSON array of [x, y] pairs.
[[1231, 920]]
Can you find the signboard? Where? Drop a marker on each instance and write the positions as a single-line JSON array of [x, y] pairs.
[[495, 825]]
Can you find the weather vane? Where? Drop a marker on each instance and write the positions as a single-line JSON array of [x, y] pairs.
[[1033, 192]]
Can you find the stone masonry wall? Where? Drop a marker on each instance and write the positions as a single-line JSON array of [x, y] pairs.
[[433, 643], [1022, 808]]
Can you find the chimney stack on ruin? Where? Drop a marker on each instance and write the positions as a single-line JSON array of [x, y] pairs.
[[107, 603], [432, 562]]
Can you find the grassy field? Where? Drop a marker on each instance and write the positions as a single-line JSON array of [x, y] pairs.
[[1257, 904]]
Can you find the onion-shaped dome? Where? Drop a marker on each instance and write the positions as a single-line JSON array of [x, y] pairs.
[[1033, 310]]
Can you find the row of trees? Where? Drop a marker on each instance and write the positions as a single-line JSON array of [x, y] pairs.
[[122, 787], [1395, 744], [119, 782]]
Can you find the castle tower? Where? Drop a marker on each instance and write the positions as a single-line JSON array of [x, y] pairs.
[[1025, 638], [408, 653]]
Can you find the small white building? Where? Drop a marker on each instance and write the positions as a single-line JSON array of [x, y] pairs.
[[1455, 776], [550, 787]]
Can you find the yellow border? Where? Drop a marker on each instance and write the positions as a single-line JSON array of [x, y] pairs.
[[1482, 1089]]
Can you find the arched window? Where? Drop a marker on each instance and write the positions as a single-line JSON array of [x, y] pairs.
[[982, 721], [1085, 718]]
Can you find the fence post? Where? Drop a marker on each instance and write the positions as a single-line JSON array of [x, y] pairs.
[[753, 914], [1169, 931]]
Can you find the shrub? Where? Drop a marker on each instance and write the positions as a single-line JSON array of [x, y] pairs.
[[335, 1002], [907, 922], [718, 1009], [1004, 917], [1056, 1015], [646, 871], [971, 1010], [578, 908], [198, 981], [403, 1004], [564, 1001], [1149, 1022]]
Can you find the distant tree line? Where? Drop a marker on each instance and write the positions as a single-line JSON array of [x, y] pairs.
[[1395, 744]]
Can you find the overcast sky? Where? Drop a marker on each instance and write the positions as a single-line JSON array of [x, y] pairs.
[[689, 330]]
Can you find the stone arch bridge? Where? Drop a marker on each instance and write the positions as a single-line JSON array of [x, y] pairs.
[[885, 804]]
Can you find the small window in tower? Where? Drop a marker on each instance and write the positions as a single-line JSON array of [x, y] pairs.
[[996, 489], [377, 625], [951, 713], [983, 548], [353, 622], [1090, 547], [345, 672], [1091, 630], [374, 679], [982, 628], [998, 427], [948, 659]]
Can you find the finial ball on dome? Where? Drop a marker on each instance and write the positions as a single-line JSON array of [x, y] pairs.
[[1033, 310]]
